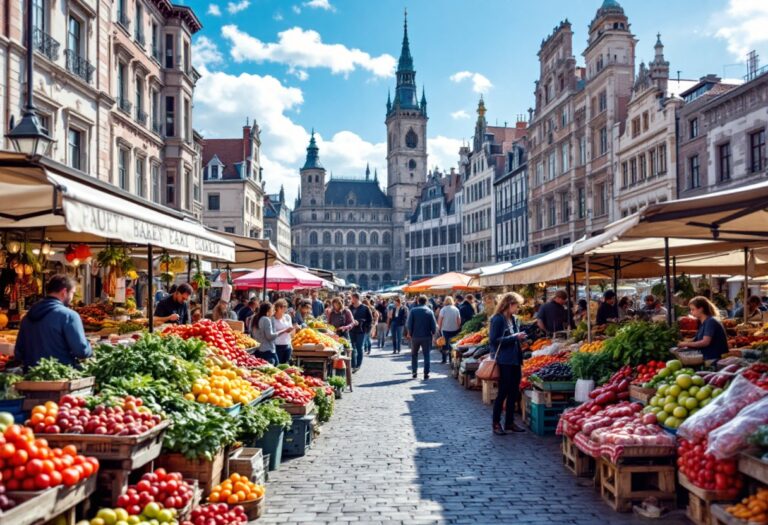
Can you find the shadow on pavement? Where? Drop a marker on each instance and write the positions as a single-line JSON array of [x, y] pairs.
[[383, 383]]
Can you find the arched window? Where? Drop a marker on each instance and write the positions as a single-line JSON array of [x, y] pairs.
[[351, 261], [314, 216], [363, 238], [374, 261], [386, 261], [386, 238], [363, 282], [386, 278], [327, 238], [351, 238], [327, 261], [338, 238], [338, 260], [375, 238], [314, 260], [309, 179], [313, 238], [317, 178], [374, 281], [312, 202], [362, 261], [411, 140], [351, 279]]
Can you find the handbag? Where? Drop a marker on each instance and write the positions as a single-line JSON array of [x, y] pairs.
[[440, 341], [489, 369]]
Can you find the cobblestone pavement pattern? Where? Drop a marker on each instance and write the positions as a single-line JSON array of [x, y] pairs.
[[410, 451]]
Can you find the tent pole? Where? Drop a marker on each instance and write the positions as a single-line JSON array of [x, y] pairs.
[[667, 282], [616, 266], [745, 306], [674, 273], [569, 303], [189, 267], [587, 290], [264, 284], [150, 293]]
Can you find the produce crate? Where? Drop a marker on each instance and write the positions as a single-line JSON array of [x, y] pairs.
[[490, 391], [207, 473], [754, 467], [700, 500], [31, 508], [580, 464], [271, 444], [135, 451], [298, 438], [197, 496], [554, 386], [38, 392], [622, 485], [640, 394], [248, 462], [68, 497], [721, 517], [548, 397], [234, 410], [266, 394], [540, 418], [310, 347], [299, 410]]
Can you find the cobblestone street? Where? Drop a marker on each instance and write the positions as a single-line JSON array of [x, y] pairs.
[[408, 451]]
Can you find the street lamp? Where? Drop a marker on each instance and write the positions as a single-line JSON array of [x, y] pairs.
[[29, 137]]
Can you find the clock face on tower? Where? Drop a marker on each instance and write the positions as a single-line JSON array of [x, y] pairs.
[[412, 164], [411, 139]]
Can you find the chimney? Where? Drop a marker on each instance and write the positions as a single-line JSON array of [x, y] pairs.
[[521, 123], [246, 141]]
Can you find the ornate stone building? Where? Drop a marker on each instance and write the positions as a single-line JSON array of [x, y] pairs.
[[277, 223], [333, 218]]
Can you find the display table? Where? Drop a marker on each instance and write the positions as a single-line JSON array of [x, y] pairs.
[[323, 357]]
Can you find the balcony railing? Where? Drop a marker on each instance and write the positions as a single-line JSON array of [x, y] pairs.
[[124, 21], [139, 37], [79, 65], [141, 117], [124, 105], [46, 44], [157, 127]]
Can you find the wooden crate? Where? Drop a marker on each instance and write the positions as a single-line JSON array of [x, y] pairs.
[[754, 467], [136, 451], [623, 485], [721, 517], [207, 473], [248, 462], [579, 463], [299, 410], [490, 391], [547, 397], [31, 508], [473, 383], [700, 500], [640, 394], [38, 392]]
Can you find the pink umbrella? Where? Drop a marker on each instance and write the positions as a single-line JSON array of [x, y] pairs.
[[279, 277]]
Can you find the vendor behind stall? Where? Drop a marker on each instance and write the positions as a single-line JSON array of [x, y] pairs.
[[51, 329], [754, 312], [608, 312], [174, 308], [711, 338]]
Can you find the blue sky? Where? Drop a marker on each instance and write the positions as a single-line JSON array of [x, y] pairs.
[[327, 64]]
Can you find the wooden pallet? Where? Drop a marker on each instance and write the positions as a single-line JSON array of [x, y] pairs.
[[579, 463], [623, 485], [700, 500], [490, 391]]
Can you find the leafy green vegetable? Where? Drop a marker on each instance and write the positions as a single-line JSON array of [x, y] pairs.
[[641, 341], [324, 404], [276, 415], [580, 333], [252, 423], [200, 430], [6, 386], [592, 365], [473, 325], [338, 382], [50, 369]]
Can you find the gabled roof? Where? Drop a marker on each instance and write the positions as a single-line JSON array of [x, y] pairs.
[[229, 152], [272, 206], [365, 193]]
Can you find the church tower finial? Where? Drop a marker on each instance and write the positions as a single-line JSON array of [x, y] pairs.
[[367, 171], [313, 156]]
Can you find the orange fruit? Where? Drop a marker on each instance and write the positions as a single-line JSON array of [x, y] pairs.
[[214, 497], [232, 499]]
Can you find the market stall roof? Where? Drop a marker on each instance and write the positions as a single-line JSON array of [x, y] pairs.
[[73, 207], [451, 281], [490, 269], [279, 277], [250, 252]]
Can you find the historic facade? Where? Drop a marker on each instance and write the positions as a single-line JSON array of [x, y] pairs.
[[571, 150], [433, 235], [277, 223], [510, 206], [233, 184], [645, 151], [343, 225], [480, 166]]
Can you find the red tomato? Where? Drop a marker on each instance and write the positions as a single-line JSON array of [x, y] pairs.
[[70, 476], [42, 481]]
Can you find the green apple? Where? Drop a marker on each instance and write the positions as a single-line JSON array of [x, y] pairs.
[[669, 408], [165, 516], [672, 422], [662, 390], [716, 392], [691, 403], [680, 413], [674, 390], [662, 416], [684, 381], [698, 380], [670, 399], [673, 365], [108, 515], [693, 390], [705, 402], [704, 393]]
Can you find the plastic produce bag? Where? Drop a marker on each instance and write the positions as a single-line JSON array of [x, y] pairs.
[[721, 409], [553, 349], [731, 438]]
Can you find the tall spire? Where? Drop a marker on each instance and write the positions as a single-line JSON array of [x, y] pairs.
[[282, 194], [389, 101], [423, 101], [313, 157], [406, 60], [367, 171], [375, 175], [406, 96]]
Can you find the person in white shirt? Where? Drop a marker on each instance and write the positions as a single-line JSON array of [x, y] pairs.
[[448, 324], [282, 321]]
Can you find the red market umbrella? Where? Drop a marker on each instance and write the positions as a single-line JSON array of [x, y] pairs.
[[280, 278]]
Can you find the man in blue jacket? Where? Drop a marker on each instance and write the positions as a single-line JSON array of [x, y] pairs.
[[51, 329], [421, 326]]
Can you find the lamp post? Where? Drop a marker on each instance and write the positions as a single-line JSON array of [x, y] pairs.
[[29, 137]]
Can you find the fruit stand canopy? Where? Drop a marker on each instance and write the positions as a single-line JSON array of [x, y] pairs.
[[451, 281], [279, 277], [75, 208]]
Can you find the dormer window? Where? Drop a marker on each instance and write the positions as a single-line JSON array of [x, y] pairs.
[[214, 171]]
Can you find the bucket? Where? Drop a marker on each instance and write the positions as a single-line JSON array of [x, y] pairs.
[[583, 388]]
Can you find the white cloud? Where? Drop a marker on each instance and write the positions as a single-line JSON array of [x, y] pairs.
[[236, 7], [443, 152], [301, 74], [296, 9], [347, 154], [214, 10], [460, 114], [299, 48], [277, 17], [743, 25], [325, 5], [480, 83], [205, 53]]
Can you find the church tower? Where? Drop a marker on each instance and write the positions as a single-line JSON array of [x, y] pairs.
[[406, 122], [312, 177]]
